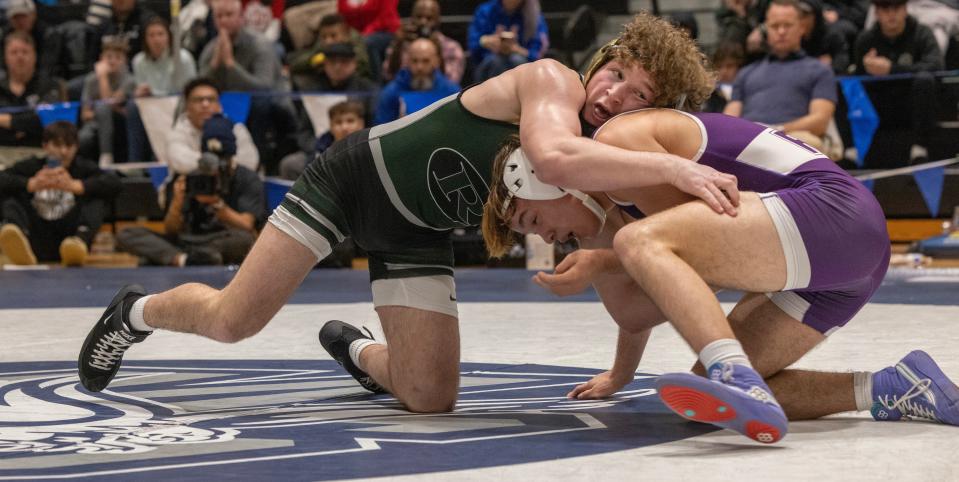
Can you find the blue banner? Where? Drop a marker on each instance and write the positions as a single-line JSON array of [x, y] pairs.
[[157, 175], [862, 116], [50, 113], [236, 106], [869, 183], [930, 183]]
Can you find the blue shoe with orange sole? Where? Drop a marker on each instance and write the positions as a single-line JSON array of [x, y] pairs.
[[733, 397]]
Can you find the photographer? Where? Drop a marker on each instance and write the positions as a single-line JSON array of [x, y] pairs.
[[213, 212], [424, 23]]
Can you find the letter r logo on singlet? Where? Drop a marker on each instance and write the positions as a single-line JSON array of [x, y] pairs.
[[456, 187]]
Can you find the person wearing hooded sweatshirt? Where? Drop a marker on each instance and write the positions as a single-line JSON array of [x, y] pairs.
[[423, 81]]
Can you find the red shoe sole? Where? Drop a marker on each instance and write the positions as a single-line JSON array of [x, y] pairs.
[[703, 407]]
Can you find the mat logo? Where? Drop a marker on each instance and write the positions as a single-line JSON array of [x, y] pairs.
[[457, 187], [307, 420]]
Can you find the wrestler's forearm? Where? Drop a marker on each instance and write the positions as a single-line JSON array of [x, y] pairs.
[[587, 165], [629, 352]]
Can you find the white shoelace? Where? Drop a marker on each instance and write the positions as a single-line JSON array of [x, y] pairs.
[[109, 349], [904, 404]]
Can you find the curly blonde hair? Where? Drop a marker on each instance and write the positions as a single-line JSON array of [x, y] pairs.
[[497, 234], [677, 66]]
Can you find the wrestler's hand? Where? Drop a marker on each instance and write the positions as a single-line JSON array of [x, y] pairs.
[[573, 275], [718, 189], [600, 386]]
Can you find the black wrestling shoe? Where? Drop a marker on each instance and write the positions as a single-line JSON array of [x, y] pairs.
[[109, 339], [336, 337]]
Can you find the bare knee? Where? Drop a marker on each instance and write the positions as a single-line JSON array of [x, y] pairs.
[[229, 323], [638, 242], [430, 397]]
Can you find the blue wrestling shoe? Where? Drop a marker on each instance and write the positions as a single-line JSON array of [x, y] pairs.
[[915, 388], [733, 397]]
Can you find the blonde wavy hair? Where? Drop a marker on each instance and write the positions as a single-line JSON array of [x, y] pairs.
[[679, 69], [497, 234]]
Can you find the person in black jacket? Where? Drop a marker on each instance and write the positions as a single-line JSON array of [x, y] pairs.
[[822, 40], [21, 85], [53, 205], [899, 44]]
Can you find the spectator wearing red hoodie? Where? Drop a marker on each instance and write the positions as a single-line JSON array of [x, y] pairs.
[[377, 20]]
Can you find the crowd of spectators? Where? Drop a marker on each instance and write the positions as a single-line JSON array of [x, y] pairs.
[[777, 62]]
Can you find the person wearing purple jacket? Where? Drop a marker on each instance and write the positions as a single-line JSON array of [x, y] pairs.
[[808, 244]]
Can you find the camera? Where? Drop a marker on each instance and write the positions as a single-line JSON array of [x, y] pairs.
[[211, 177]]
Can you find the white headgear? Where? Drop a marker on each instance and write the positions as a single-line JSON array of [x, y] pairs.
[[521, 181]]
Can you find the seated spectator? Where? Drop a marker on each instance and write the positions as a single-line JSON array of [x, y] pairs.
[[156, 73], [377, 21], [258, 16], [241, 61], [896, 44], [201, 99], [787, 89], [22, 17], [741, 22], [105, 92], [504, 34], [848, 17], [333, 30], [728, 58], [337, 73], [423, 77], [425, 23], [821, 40], [212, 213], [54, 204], [345, 118], [128, 21], [941, 16], [196, 26], [22, 86]]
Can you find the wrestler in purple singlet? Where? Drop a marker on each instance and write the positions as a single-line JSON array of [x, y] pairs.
[[832, 228]]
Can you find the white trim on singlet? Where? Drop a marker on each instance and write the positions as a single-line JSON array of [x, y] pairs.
[[702, 130], [379, 161], [798, 269], [288, 223], [791, 303], [317, 216]]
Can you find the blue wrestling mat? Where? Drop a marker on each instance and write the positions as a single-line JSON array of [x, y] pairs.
[[304, 420]]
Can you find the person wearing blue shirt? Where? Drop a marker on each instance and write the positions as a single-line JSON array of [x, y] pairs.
[[504, 34], [416, 86]]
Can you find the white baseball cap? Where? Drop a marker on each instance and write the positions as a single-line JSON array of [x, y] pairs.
[[17, 7]]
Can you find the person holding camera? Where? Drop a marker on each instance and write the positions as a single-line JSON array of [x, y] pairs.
[[54, 203], [504, 34], [424, 22], [212, 213]]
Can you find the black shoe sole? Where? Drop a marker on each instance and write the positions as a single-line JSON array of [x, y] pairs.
[[98, 383]]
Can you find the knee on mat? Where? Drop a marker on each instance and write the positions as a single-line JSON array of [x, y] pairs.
[[431, 397]]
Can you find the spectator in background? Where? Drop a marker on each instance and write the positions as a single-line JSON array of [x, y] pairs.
[[423, 78], [333, 30], [201, 99], [338, 73], [346, 118], [728, 58], [377, 20], [212, 213], [196, 26], [156, 73], [848, 17], [105, 92], [258, 17], [425, 23], [240, 60], [128, 20], [741, 21], [821, 40], [22, 86], [22, 17], [787, 90], [941, 16], [896, 44], [54, 203], [504, 34]]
